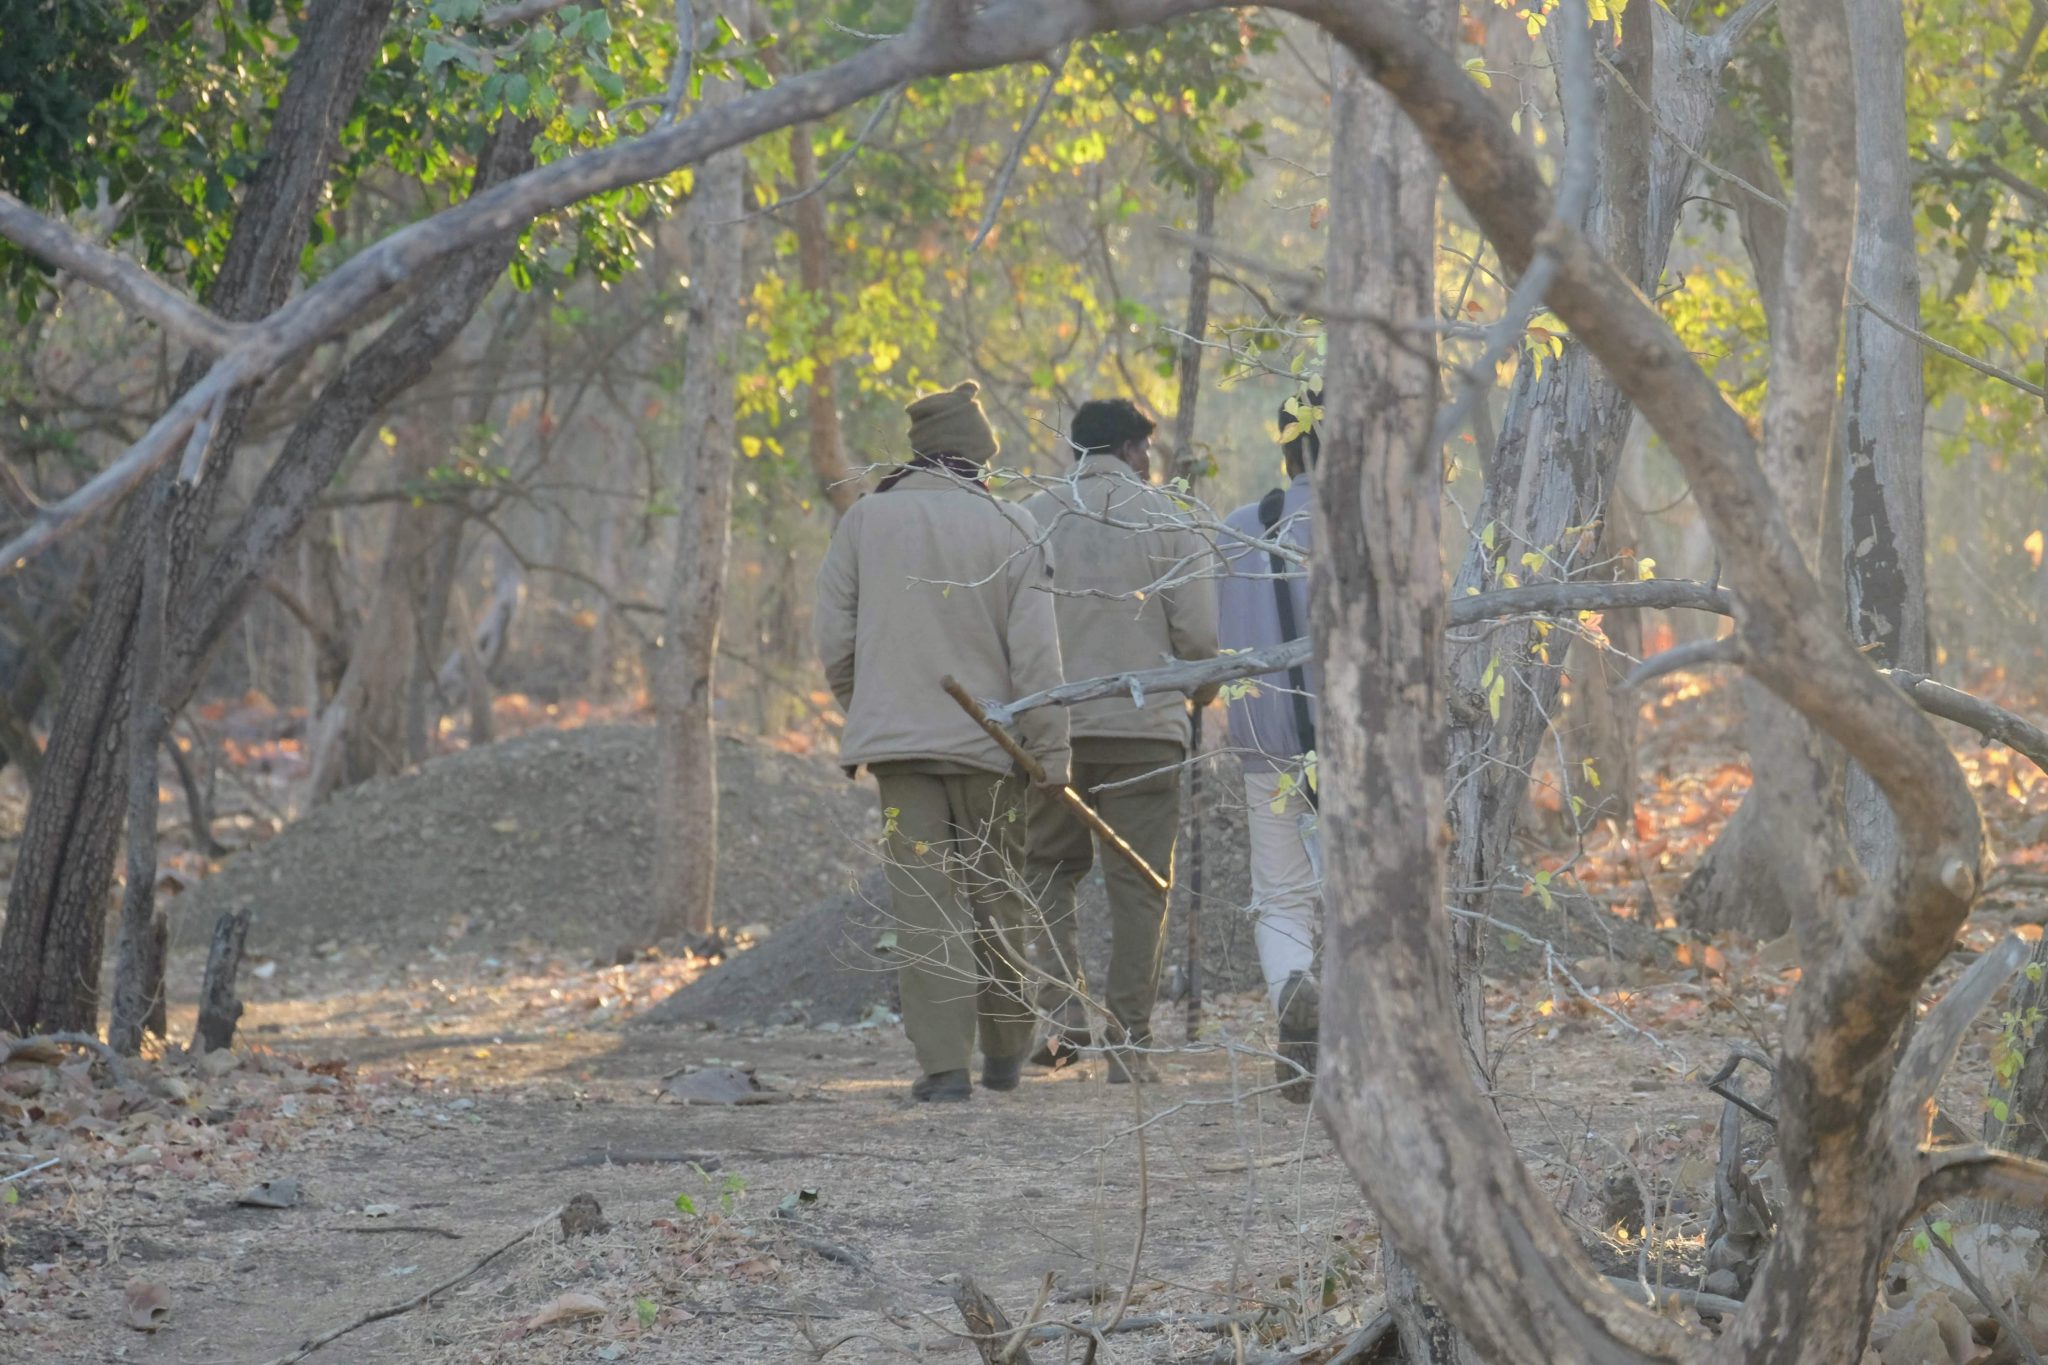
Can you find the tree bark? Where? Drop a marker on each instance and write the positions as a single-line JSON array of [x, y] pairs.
[[219, 1007], [139, 969], [1194, 329], [686, 801], [1374, 608], [1883, 526], [56, 908], [836, 480], [361, 732]]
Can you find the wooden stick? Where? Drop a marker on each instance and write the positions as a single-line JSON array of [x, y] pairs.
[[1035, 770]]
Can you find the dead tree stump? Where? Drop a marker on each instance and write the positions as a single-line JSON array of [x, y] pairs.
[[219, 1008]]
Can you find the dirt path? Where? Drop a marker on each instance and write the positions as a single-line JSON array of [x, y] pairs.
[[454, 1118]]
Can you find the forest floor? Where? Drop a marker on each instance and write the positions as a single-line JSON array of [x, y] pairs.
[[423, 1076]]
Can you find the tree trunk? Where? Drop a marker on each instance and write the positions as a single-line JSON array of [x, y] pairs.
[[686, 801], [1554, 471], [1883, 526], [361, 733], [836, 479], [1379, 481], [139, 970], [1194, 329], [444, 562], [56, 907]]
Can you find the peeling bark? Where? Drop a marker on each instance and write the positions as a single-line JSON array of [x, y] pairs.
[[1883, 524]]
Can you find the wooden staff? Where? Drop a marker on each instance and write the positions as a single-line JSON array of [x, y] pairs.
[[1035, 770]]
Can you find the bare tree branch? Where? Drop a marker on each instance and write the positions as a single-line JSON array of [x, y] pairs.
[[1574, 192], [1001, 189], [143, 293], [2017, 733], [1933, 1045], [1726, 650], [497, 16], [1950, 1173]]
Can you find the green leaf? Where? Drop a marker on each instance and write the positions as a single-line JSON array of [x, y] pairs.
[[687, 1205], [646, 1311], [1495, 693], [752, 72], [1945, 1230]]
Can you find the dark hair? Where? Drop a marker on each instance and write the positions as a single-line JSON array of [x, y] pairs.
[[1301, 450], [1103, 424]]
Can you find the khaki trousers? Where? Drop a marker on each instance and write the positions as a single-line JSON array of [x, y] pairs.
[[954, 845], [1062, 850]]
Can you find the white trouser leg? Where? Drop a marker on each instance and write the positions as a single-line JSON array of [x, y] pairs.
[[1287, 879]]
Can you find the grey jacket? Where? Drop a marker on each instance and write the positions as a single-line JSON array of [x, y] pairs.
[[1262, 725], [1113, 538], [935, 577]]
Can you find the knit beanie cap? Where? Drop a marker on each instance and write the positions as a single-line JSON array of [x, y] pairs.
[[952, 423]]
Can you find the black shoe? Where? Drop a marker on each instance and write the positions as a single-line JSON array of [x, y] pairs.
[[942, 1087], [1301, 1018], [1001, 1073], [1061, 1049], [1127, 1065]]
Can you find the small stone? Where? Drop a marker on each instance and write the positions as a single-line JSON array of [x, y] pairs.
[[1722, 1282]]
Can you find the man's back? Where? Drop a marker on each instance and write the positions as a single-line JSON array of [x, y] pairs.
[[928, 579], [1135, 589]]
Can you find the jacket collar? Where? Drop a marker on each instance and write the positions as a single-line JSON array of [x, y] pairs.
[[1104, 466]]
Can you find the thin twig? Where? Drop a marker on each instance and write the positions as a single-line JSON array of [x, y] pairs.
[[1001, 189], [1574, 192], [39, 1166], [313, 1344]]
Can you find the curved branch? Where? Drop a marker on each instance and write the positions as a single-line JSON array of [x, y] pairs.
[[1657, 594], [1726, 650], [1934, 1043], [143, 293], [1974, 1172], [2015, 732]]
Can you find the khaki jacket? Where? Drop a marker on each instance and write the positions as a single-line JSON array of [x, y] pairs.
[[889, 629], [1113, 538]]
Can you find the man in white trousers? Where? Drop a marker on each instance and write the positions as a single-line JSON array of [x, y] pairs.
[[1261, 601]]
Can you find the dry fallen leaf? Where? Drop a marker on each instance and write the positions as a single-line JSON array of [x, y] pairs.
[[571, 1307], [148, 1304]]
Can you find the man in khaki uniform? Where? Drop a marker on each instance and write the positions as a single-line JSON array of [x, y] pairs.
[[930, 576], [1134, 591]]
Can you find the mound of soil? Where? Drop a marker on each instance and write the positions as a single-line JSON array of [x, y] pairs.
[[546, 838], [823, 968]]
